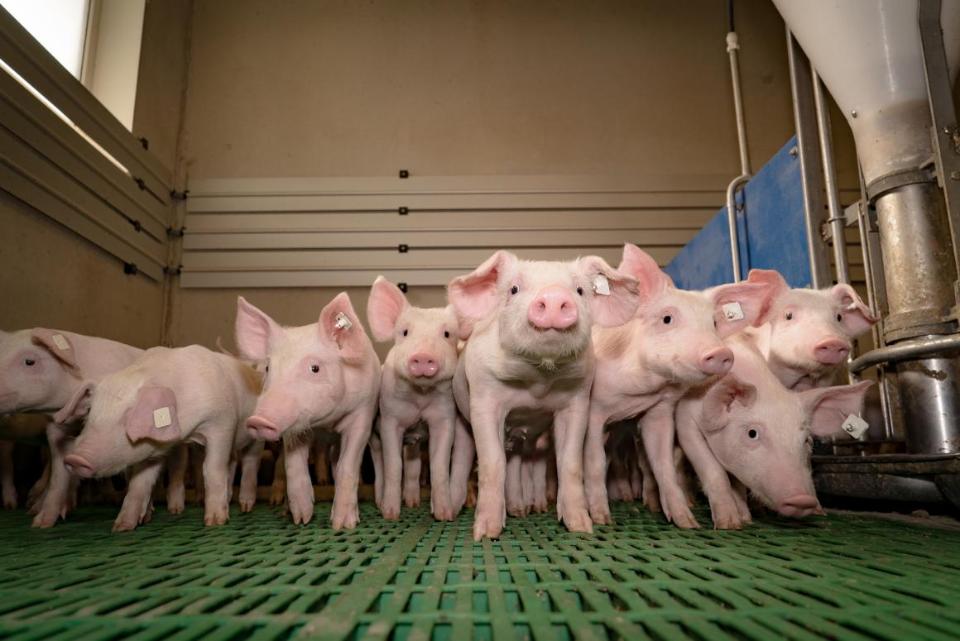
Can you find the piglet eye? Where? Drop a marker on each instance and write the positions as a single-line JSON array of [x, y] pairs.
[[29, 362], [789, 316], [839, 318], [406, 331], [446, 334], [315, 368], [514, 290], [580, 290], [753, 434], [667, 319]]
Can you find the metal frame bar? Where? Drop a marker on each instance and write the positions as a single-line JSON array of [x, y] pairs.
[[733, 46], [836, 214], [811, 167], [945, 135]]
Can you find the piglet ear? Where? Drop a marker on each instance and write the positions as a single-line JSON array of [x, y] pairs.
[[829, 407], [57, 343], [254, 331], [77, 407], [339, 324], [153, 416], [739, 305], [857, 318], [639, 265], [384, 307], [475, 295], [777, 287], [719, 400], [615, 296]]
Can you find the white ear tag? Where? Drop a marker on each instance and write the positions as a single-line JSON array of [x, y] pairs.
[[855, 426], [342, 322], [601, 285], [732, 311], [161, 417], [60, 341]]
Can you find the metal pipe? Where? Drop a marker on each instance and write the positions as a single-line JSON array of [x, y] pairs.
[[836, 218], [906, 350], [733, 46]]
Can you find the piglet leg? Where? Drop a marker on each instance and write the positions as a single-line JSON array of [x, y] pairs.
[[353, 438], [55, 499], [658, 432], [391, 439], [9, 490], [137, 508], [249, 467], [650, 491], [35, 495], [570, 425], [713, 478], [461, 465], [488, 417], [176, 478], [219, 465], [278, 489], [411, 475], [296, 451], [376, 455], [595, 470], [440, 444], [514, 486]]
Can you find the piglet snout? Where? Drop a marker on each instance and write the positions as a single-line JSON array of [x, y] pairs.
[[831, 351], [422, 364], [78, 465], [718, 360], [262, 428], [553, 308], [799, 506]]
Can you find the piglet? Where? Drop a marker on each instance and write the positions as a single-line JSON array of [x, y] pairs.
[[806, 334], [320, 376], [40, 371], [415, 386], [644, 367], [528, 361], [749, 426], [166, 398]]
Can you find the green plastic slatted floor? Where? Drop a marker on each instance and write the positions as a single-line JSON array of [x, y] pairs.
[[836, 577]]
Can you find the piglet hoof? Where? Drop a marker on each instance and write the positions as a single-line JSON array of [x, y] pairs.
[[444, 514], [578, 521], [601, 516], [651, 500], [518, 511], [33, 508], [216, 517], [44, 519], [175, 505], [276, 496], [301, 510], [390, 512], [726, 521], [344, 518], [471, 499], [9, 498], [412, 500], [684, 519], [247, 503], [487, 523], [124, 524]]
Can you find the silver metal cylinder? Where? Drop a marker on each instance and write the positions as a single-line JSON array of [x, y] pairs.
[[930, 393], [919, 272], [917, 261]]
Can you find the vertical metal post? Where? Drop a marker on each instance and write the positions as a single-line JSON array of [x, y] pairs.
[[836, 218], [733, 46], [811, 168]]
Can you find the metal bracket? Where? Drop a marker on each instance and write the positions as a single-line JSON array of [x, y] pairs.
[[137, 227], [403, 211], [173, 271], [173, 232], [403, 248], [179, 195], [141, 183], [130, 269], [404, 173], [144, 143]]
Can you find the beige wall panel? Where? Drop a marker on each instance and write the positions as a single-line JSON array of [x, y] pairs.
[[165, 49], [51, 277], [452, 87]]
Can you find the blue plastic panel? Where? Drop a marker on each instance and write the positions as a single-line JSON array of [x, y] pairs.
[[772, 233]]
